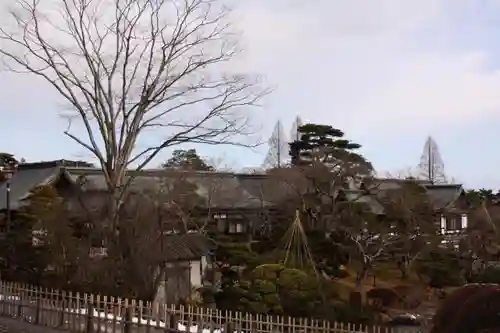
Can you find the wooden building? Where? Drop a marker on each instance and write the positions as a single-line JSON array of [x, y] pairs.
[[230, 203]]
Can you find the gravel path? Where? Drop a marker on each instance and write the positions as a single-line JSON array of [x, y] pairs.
[[17, 326]]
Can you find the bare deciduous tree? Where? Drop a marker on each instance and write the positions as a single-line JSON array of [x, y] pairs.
[[331, 206], [70, 232], [129, 67], [412, 216], [367, 239], [315, 189], [190, 198]]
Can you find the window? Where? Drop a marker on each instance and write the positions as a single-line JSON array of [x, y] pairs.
[[464, 221], [36, 241], [442, 223], [451, 223], [171, 232], [37, 237], [221, 221], [235, 228], [98, 252]]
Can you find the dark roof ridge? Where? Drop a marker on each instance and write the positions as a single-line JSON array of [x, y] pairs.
[[51, 164], [252, 175], [183, 171], [38, 165], [443, 185], [152, 172], [86, 170], [409, 180]]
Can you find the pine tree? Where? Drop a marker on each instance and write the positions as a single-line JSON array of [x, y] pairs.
[[326, 145], [187, 160]]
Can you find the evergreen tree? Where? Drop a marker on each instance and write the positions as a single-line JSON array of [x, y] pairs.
[[277, 153], [326, 145], [7, 161], [7, 164], [187, 160], [26, 251], [476, 198], [325, 164], [21, 261], [294, 132]]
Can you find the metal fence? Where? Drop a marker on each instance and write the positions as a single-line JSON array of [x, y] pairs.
[[78, 312]]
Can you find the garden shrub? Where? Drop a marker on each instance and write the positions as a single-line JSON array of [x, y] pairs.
[[410, 296], [441, 269], [488, 275], [470, 309], [363, 315], [383, 296]]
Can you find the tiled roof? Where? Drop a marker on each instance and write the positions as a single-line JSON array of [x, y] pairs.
[[444, 195], [269, 189], [219, 189], [30, 175], [23, 181], [224, 190], [387, 184], [440, 195], [370, 200], [186, 246]]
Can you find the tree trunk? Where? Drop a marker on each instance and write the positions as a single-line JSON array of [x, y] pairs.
[[406, 264], [359, 279], [403, 266]]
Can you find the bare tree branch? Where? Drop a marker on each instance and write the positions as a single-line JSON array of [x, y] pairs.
[[128, 67]]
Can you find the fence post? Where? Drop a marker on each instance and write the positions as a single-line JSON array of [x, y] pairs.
[[90, 315], [172, 324], [228, 327], [37, 310], [20, 305], [127, 325], [4, 298], [62, 303]]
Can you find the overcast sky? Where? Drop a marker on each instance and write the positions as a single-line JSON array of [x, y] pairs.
[[389, 73]]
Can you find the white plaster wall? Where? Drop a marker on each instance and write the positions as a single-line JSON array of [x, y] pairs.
[[464, 221], [443, 224], [196, 271], [204, 263]]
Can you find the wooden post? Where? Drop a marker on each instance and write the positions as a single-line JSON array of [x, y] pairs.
[[77, 305], [149, 311], [20, 305], [127, 326], [172, 325], [228, 327], [37, 310], [116, 311], [62, 303], [4, 298], [90, 314], [98, 307]]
